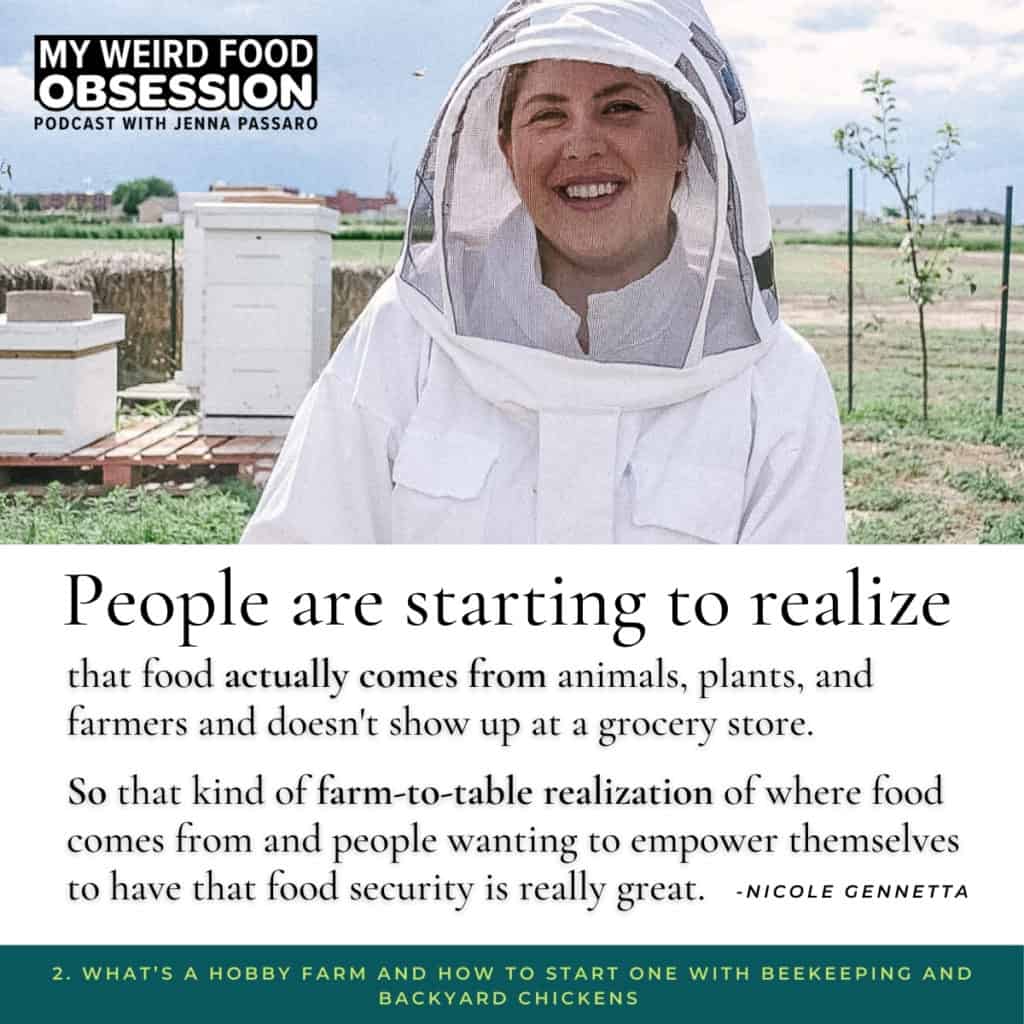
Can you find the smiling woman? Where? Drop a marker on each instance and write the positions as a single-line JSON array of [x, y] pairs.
[[584, 139], [582, 339]]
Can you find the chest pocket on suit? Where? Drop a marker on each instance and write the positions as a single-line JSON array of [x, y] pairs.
[[689, 469], [441, 493], [678, 495]]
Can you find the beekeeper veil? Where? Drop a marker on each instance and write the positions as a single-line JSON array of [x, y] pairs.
[[470, 269]]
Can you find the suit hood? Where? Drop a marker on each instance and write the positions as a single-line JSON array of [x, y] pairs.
[[469, 271]]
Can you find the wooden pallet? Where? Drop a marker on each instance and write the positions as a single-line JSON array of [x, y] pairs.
[[173, 441]]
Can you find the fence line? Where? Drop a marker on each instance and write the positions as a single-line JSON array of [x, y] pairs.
[[1004, 297], [1004, 301]]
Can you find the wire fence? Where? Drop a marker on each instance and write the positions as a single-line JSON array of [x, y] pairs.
[[852, 243]]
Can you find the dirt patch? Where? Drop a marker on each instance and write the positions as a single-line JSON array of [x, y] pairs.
[[921, 470], [814, 311]]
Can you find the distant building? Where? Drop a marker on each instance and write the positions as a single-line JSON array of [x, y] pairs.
[[221, 186], [971, 217], [78, 202], [390, 212], [817, 220], [152, 210], [348, 202]]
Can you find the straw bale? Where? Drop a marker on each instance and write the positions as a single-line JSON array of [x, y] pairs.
[[352, 287], [134, 283], [138, 285], [20, 277]]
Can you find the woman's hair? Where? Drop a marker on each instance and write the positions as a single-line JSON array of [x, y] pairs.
[[682, 112]]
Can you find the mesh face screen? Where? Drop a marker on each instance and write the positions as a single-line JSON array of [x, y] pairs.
[[421, 268], [501, 236]]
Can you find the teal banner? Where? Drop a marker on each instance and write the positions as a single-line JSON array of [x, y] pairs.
[[726, 983]]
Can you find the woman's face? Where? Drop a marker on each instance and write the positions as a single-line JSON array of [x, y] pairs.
[[595, 155]]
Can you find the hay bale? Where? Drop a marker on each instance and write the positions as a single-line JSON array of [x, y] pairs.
[[352, 287], [20, 277], [137, 284]]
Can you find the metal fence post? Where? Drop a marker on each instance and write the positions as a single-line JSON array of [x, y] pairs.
[[174, 306], [1005, 301], [849, 294]]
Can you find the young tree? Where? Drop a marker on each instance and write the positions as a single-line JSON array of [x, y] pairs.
[[7, 201], [928, 273]]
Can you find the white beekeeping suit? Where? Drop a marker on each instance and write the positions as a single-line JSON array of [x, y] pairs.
[[463, 406]]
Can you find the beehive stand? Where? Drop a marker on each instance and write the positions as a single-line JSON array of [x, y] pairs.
[[174, 441]]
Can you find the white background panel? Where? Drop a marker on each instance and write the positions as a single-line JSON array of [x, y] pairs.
[[945, 701]]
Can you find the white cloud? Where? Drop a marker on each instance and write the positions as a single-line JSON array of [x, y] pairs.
[[809, 59], [15, 91]]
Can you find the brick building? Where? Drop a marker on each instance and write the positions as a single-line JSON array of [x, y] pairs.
[[348, 202], [79, 202]]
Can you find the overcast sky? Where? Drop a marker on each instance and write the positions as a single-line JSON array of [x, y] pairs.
[[802, 68]]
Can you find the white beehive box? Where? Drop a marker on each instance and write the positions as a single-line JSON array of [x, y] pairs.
[[266, 311], [58, 383], [191, 372]]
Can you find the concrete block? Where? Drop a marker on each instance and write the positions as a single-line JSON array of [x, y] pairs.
[[48, 306]]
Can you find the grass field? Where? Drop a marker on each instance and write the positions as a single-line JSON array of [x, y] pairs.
[[804, 271], [959, 478], [820, 272], [206, 515], [26, 250], [966, 236]]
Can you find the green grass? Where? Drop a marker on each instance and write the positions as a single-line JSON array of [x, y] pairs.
[[969, 237], [382, 253], [953, 478], [903, 463], [986, 485], [370, 232], [147, 232], [820, 271], [916, 521], [56, 217], [962, 422], [961, 382], [1004, 529], [876, 498], [25, 250], [64, 229], [155, 408], [214, 514]]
